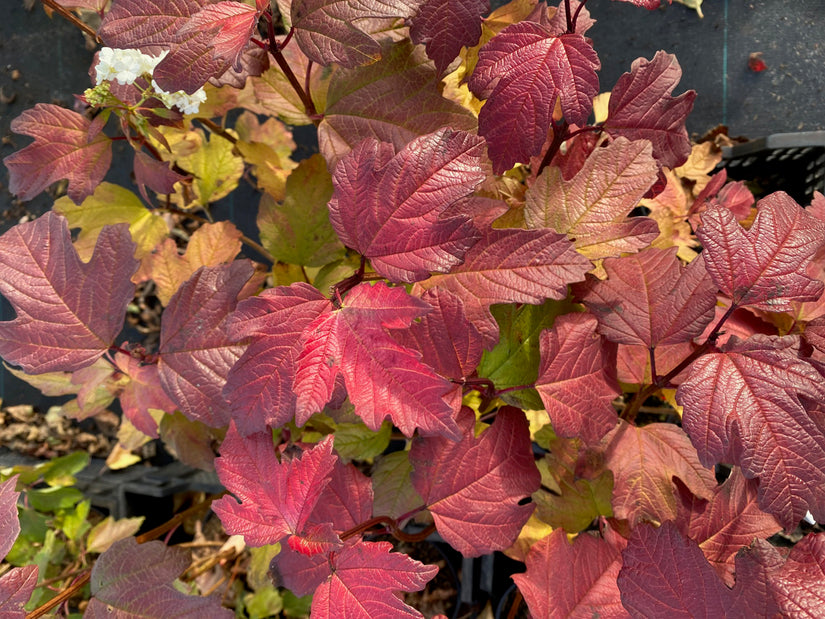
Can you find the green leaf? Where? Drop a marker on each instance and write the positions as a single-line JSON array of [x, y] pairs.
[[263, 603], [295, 606], [515, 359], [112, 204], [298, 231], [394, 492], [216, 168], [355, 441], [257, 574], [33, 529], [61, 470], [74, 523], [53, 499]]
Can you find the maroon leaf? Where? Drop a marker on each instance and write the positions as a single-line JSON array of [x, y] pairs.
[[190, 63], [16, 587], [730, 520], [364, 581], [573, 381], [593, 207], [665, 574], [276, 498], [558, 22], [522, 72], [338, 31], [64, 147], [196, 352], [764, 266], [644, 462], [155, 566], [446, 339], [230, 24], [650, 299], [746, 405], [382, 377], [572, 580], [8, 515], [392, 100], [474, 487], [259, 385], [641, 108], [388, 207], [445, 26], [795, 586], [68, 311], [154, 174], [511, 266], [147, 25]]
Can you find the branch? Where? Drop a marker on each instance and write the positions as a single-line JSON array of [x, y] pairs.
[[64, 12]]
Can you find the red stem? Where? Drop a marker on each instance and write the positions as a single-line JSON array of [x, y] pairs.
[[559, 136]]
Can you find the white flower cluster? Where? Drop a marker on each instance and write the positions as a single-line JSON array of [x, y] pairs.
[[126, 65]]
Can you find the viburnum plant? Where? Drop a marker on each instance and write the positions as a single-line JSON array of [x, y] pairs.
[[499, 305]]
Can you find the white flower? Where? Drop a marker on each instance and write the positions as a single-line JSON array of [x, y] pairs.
[[188, 104], [124, 65]]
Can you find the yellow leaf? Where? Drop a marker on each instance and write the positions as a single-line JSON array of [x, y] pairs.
[[532, 531], [112, 204], [696, 5], [214, 165], [702, 161], [108, 531]]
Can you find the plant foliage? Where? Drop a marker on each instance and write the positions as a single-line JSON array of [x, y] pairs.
[[458, 321]]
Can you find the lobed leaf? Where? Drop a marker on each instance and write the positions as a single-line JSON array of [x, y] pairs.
[[196, 352], [641, 108], [147, 25], [155, 566], [276, 498], [68, 312], [230, 25], [365, 580], [64, 147], [382, 377], [16, 587], [474, 487], [511, 266], [765, 266], [574, 379], [445, 26], [259, 385], [338, 30], [521, 73], [575, 579], [748, 405], [388, 206], [592, 207], [651, 299]]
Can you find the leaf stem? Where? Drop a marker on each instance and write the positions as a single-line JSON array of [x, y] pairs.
[[559, 136], [576, 14], [275, 50], [215, 128], [65, 13]]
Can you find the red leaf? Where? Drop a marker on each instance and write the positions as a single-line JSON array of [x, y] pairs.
[[765, 266], [8, 515], [573, 381], [330, 31], [230, 25], [558, 22], [259, 385], [68, 312], [64, 147], [572, 580], [147, 25], [190, 63], [196, 352], [665, 574], [755, 62], [650, 299], [593, 207], [276, 498], [522, 72], [154, 174], [511, 266], [644, 462], [445, 26], [388, 207], [641, 108], [473, 488], [364, 581], [446, 339], [142, 394], [725, 523], [382, 377], [746, 406], [345, 503], [16, 587], [155, 566]]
